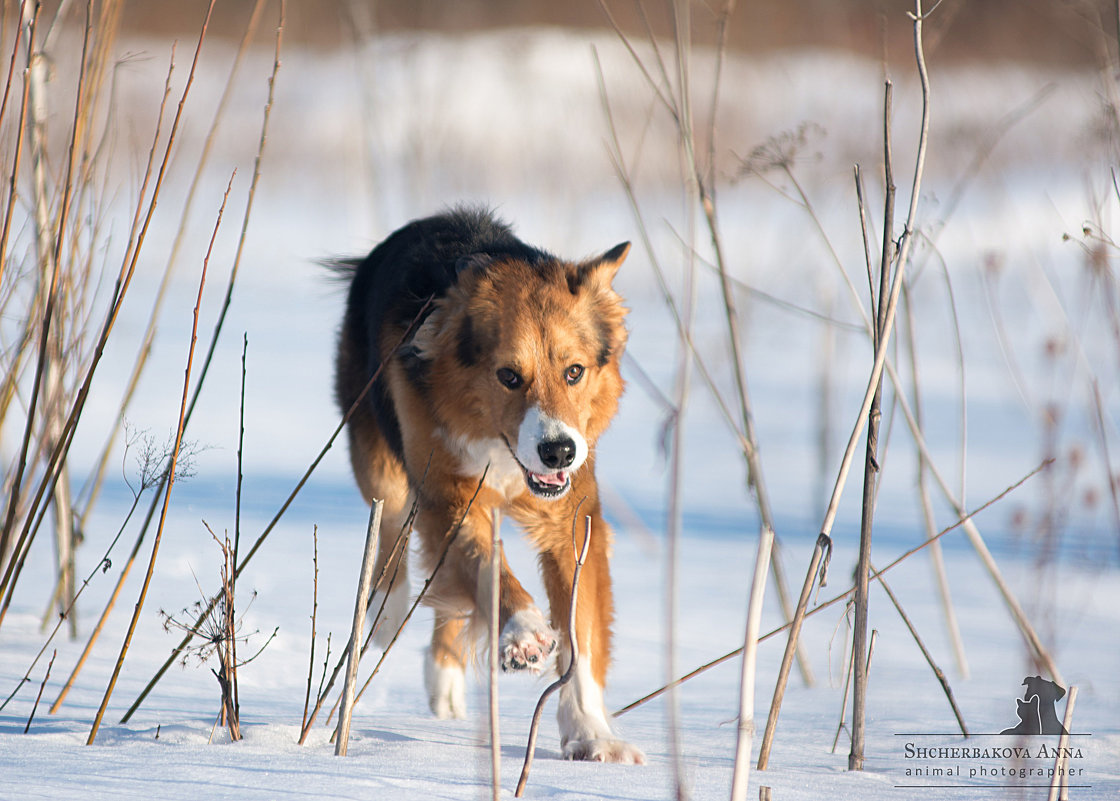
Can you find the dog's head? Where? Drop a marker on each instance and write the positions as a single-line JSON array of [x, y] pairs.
[[527, 356]]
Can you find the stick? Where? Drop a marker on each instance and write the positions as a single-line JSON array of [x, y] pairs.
[[871, 455], [495, 585], [925, 653], [342, 733], [742, 770], [844, 697], [272, 523], [964, 518], [50, 664], [314, 613], [823, 544], [170, 479], [424, 590], [531, 747], [1059, 784]]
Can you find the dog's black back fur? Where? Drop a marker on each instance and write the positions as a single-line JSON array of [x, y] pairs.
[[391, 286]]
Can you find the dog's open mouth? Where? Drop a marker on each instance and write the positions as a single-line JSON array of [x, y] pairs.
[[547, 485]]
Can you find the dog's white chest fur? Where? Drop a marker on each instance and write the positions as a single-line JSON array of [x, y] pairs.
[[492, 455]]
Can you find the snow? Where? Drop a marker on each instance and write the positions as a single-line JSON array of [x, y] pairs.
[[361, 141]]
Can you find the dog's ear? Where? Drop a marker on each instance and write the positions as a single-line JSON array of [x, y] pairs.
[[607, 264], [597, 273]]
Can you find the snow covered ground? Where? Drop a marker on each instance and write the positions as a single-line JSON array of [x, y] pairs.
[[360, 142]]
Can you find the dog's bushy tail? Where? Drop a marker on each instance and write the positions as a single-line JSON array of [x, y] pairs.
[[340, 270]]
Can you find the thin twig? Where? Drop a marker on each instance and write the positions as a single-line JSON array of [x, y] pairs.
[[275, 518], [961, 521], [937, 671], [170, 478], [373, 535], [39, 697], [1058, 785], [531, 746], [823, 544], [452, 537], [495, 660], [745, 731], [314, 613]]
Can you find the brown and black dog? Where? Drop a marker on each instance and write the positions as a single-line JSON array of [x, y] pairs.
[[496, 359]]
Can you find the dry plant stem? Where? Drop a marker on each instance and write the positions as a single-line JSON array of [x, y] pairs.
[[871, 458], [248, 212], [271, 524], [97, 474], [13, 175], [937, 672], [1059, 784], [679, 107], [531, 746], [896, 286], [495, 588], [50, 265], [844, 700], [321, 694], [451, 537], [128, 267], [170, 479], [50, 249], [962, 520], [977, 541], [936, 558], [683, 380], [373, 534], [46, 678], [124, 279], [217, 334], [62, 618], [823, 544], [745, 734], [314, 614]]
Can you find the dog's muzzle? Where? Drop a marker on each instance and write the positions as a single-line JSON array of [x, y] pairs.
[[548, 451]]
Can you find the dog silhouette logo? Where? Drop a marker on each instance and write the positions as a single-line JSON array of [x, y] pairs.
[[1036, 708]]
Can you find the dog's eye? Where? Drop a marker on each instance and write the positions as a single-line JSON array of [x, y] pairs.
[[573, 374], [510, 379]]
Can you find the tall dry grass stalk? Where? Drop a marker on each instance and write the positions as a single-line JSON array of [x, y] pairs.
[[170, 474], [961, 521], [365, 580]]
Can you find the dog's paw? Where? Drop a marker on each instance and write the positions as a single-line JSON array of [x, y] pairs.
[[527, 641], [604, 750], [447, 689]]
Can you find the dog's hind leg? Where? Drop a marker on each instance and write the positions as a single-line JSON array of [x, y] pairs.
[[444, 668], [380, 475]]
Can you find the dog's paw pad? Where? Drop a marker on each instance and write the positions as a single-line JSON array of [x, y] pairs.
[[527, 642], [604, 750]]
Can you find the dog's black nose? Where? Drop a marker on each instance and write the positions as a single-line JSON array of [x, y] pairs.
[[557, 453]]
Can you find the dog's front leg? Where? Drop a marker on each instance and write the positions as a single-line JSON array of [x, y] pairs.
[[585, 732], [460, 593]]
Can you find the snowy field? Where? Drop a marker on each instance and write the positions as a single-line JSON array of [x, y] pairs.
[[363, 139]]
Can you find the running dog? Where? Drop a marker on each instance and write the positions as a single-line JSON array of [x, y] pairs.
[[494, 369]]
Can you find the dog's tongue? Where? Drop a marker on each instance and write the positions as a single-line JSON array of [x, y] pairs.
[[553, 480]]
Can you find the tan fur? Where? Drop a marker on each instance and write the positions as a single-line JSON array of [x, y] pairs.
[[461, 420]]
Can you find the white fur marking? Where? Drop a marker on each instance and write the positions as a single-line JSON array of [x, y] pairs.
[[474, 455], [584, 730], [447, 689], [537, 427]]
